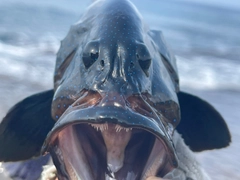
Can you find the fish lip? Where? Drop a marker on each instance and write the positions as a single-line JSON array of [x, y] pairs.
[[110, 114]]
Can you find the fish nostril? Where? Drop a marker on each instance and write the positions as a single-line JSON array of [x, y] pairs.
[[131, 65], [102, 63], [137, 56]]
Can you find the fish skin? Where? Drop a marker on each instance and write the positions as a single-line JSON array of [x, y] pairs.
[[153, 75]]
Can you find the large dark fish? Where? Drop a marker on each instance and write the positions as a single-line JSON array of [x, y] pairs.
[[116, 103]]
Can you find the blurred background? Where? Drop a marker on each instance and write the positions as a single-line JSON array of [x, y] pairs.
[[203, 34]]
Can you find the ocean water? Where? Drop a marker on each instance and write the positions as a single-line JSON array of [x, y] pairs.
[[204, 36]]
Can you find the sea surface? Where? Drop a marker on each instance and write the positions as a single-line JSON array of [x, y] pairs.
[[204, 36]]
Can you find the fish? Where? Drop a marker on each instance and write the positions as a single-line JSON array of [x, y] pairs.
[[116, 110]]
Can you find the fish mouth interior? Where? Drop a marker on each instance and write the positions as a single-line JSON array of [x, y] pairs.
[[105, 151]]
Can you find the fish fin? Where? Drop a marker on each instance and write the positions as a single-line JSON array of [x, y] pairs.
[[27, 170], [201, 125], [25, 127]]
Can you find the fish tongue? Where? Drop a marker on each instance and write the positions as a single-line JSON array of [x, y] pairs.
[[116, 139]]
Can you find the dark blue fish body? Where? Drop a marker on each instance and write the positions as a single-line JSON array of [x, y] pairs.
[[116, 103]]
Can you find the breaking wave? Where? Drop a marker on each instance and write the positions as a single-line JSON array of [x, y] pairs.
[[209, 73]]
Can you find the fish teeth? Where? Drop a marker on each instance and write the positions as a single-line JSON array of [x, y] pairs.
[[119, 128], [101, 127]]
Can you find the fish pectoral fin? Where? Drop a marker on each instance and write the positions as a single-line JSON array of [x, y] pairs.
[[25, 127], [201, 125]]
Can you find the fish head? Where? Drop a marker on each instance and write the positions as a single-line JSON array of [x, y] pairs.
[[115, 102]]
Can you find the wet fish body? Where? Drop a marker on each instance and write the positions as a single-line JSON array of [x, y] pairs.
[[116, 111]]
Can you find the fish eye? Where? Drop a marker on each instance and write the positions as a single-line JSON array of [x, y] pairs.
[[145, 64], [144, 58], [90, 54]]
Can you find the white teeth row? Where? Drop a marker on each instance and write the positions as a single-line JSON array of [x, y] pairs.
[[103, 127], [118, 128]]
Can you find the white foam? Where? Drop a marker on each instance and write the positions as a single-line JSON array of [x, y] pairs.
[[33, 63], [1, 169], [209, 73]]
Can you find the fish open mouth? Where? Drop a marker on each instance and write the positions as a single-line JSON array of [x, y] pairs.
[[109, 142]]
